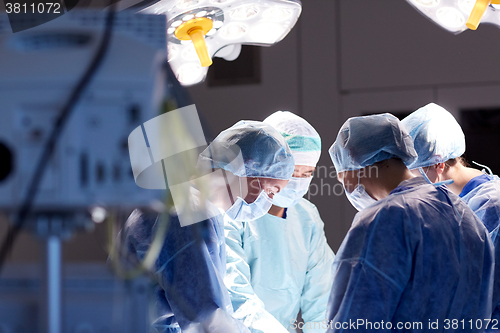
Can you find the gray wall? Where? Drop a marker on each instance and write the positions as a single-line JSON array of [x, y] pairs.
[[347, 58]]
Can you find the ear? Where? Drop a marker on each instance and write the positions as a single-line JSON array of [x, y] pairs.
[[439, 168]]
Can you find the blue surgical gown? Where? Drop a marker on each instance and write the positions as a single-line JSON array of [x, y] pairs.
[[482, 195], [278, 266], [189, 272], [416, 256]]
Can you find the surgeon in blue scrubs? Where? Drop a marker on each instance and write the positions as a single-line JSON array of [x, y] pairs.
[[256, 164], [440, 143], [415, 253]]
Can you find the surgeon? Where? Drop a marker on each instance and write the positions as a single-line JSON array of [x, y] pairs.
[[440, 142], [251, 163], [280, 263], [415, 253]]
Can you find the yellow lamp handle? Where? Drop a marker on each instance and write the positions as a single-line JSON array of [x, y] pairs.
[[477, 13], [195, 30], [198, 38]]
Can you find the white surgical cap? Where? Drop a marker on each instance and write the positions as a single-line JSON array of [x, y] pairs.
[[436, 135], [363, 141], [250, 149], [302, 138]]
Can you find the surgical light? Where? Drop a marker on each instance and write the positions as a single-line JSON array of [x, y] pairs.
[[208, 26], [466, 6], [245, 12], [277, 14], [233, 31], [172, 51], [267, 31], [459, 15], [450, 17], [189, 73], [188, 3], [428, 3]]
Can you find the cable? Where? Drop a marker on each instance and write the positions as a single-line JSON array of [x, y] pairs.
[[49, 147]]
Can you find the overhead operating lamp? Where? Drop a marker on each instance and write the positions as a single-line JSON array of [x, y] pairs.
[[459, 15], [198, 30]]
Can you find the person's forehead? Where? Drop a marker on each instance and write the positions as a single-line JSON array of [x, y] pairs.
[[303, 167], [347, 174], [272, 182]]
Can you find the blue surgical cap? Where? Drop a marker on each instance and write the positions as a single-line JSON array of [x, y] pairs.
[[436, 135], [250, 149], [363, 141]]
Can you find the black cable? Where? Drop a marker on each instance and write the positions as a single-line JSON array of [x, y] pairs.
[[49, 147]]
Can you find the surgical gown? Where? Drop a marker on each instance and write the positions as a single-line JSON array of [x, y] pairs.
[[418, 255], [278, 266], [189, 271], [482, 195]]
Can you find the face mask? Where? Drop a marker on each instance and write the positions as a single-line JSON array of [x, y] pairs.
[[359, 198], [292, 192], [243, 211]]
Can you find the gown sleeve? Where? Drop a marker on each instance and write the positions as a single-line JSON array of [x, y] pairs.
[[248, 307]]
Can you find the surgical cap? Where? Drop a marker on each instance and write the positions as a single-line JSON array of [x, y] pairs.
[[302, 138], [363, 141], [250, 149], [436, 135]]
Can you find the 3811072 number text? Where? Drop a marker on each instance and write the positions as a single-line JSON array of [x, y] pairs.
[[33, 8]]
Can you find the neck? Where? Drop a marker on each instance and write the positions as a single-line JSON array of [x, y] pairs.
[[460, 175], [390, 174], [276, 211]]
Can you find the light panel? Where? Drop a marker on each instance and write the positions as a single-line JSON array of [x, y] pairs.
[[254, 22], [452, 15]]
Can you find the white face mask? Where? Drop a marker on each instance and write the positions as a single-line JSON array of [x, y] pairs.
[[292, 192], [359, 198], [243, 211]]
